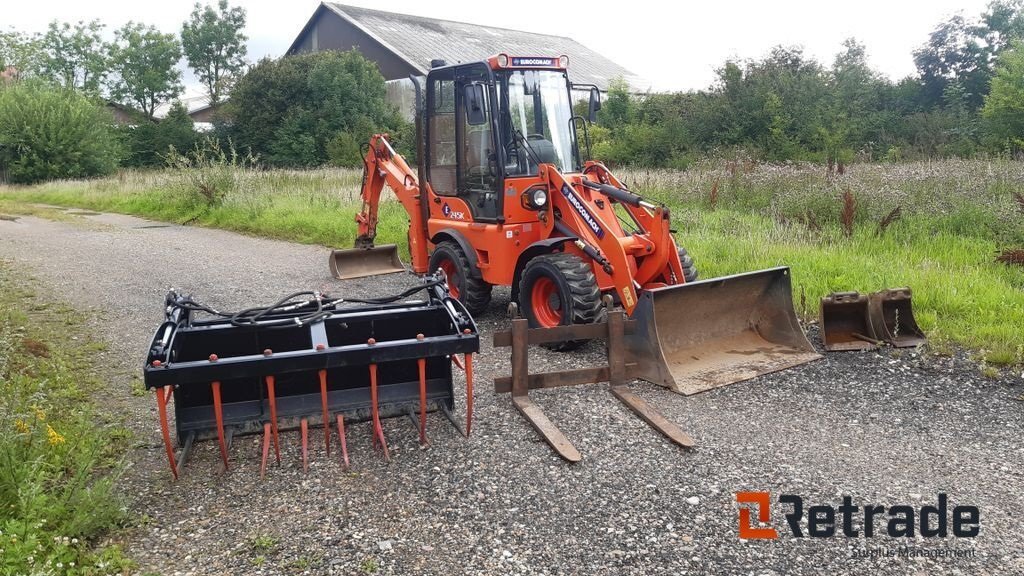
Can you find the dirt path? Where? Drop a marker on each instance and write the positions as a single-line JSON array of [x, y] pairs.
[[885, 430]]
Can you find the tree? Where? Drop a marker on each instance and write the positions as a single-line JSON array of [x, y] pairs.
[[21, 52], [75, 57], [149, 143], [215, 46], [290, 111], [143, 61], [48, 132], [1004, 105]]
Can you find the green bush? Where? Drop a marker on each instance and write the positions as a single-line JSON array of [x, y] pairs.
[[148, 143], [306, 110], [205, 175], [48, 133]]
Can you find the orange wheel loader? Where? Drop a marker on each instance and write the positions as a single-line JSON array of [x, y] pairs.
[[501, 198]]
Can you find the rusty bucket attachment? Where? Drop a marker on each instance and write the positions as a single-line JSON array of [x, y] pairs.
[[307, 361], [715, 332], [845, 323], [892, 318], [365, 261]]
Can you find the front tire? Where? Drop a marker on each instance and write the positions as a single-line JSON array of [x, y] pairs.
[[474, 293], [690, 273], [560, 290]]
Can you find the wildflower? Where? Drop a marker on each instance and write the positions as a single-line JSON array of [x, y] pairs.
[[53, 437], [21, 426], [40, 415], [74, 540], [60, 565]]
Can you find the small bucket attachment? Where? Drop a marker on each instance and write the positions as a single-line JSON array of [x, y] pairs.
[[715, 332], [360, 262], [306, 364], [892, 317], [845, 324]]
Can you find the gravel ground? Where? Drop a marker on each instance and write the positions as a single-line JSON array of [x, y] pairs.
[[883, 428]]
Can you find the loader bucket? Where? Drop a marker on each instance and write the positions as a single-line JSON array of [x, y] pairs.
[[845, 324], [357, 363], [892, 317], [360, 262], [706, 334]]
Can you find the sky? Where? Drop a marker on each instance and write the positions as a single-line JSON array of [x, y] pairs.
[[676, 45]]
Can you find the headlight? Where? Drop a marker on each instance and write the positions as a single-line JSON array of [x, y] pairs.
[[502, 60], [535, 198], [563, 61]]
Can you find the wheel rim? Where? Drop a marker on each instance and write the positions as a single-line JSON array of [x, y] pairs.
[[450, 271], [546, 302]]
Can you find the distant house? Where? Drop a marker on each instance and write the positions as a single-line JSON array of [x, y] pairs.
[[404, 45], [199, 109]]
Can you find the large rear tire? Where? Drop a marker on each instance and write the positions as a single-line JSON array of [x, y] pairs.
[[474, 293], [559, 290], [690, 273]]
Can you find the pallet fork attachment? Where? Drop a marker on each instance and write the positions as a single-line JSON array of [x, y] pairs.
[[613, 331]]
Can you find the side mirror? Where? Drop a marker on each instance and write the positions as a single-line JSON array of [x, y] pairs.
[[595, 104], [473, 99]]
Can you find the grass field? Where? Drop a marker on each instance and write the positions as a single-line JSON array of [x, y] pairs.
[[953, 219], [58, 456]]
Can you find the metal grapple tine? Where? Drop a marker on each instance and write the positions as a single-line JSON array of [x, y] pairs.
[[326, 414], [344, 445], [272, 400], [304, 432], [457, 362], [469, 393], [266, 449], [421, 364], [162, 394], [378, 430], [218, 414]]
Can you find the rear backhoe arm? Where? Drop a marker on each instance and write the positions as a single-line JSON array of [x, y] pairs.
[[382, 165]]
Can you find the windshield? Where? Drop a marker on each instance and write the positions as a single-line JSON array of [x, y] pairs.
[[536, 119]]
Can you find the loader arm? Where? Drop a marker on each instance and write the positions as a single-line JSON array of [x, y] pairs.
[[642, 260], [383, 166]]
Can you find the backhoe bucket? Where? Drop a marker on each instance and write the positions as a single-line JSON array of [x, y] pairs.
[[845, 324], [360, 262], [892, 317], [706, 334]]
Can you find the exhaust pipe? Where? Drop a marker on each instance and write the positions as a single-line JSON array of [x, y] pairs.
[[702, 335]]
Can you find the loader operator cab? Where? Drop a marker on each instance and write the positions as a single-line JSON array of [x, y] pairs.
[[488, 121]]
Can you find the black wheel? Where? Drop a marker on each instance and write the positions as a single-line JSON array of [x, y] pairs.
[[690, 273], [474, 293], [559, 290]]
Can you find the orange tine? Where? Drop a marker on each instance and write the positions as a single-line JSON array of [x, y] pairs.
[[266, 449], [304, 427], [378, 430], [469, 393], [272, 400], [341, 434], [162, 394], [455, 360], [219, 415], [421, 363], [323, 402]]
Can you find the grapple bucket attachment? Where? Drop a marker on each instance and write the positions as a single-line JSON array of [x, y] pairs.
[[359, 262], [845, 323], [892, 317], [352, 363], [715, 332]]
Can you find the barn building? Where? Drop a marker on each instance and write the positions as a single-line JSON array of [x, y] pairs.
[[403, 45]]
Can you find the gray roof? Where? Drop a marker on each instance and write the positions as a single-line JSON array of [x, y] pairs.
[[418, 40]]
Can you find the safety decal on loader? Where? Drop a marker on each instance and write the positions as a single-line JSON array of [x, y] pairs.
[[583, 212]]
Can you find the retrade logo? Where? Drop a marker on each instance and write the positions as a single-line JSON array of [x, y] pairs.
[[854, 521]]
